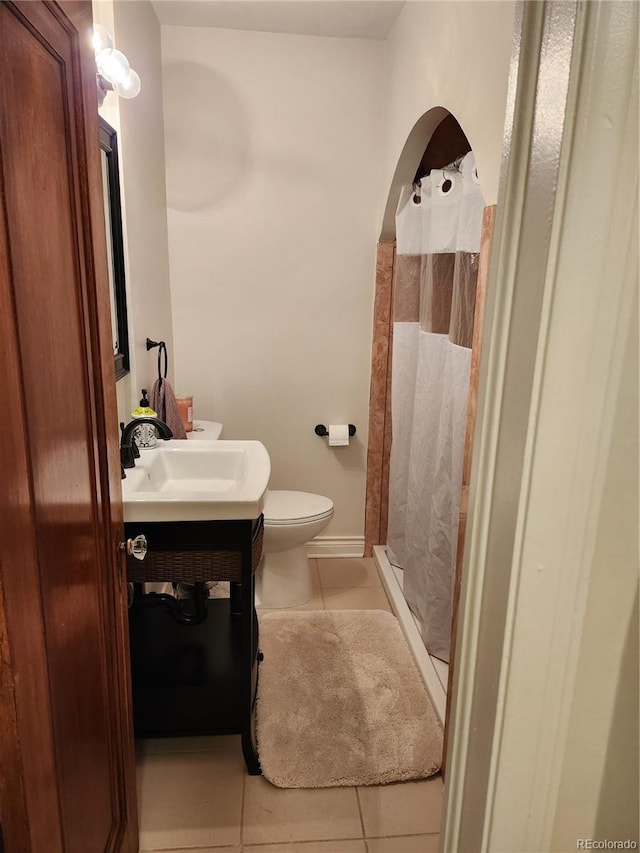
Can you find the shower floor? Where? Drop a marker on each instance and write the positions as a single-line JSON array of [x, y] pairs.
[[434, 672]]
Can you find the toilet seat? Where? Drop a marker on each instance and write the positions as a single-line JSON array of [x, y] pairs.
[[287, 508]]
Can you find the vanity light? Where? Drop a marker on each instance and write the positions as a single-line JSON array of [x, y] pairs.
[[113, 72], [101, 39]]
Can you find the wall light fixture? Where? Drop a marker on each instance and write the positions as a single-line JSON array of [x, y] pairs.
[[113, 72]]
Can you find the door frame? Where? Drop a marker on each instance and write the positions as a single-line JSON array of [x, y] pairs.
[[558, 316]]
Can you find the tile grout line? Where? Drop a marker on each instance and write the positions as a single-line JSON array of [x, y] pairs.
[[364, 834], [259, 844], [292, 843], [242, 802], [324, 603], [399, 835]]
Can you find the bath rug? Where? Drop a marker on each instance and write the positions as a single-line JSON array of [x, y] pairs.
[[340, 701]]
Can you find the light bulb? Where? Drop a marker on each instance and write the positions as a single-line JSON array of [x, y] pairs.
[[129, 87], [101, 39], [113, 65]]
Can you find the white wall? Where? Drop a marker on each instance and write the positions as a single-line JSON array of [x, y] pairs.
[[273, 180], [136, 31], [279, 163], [452, 55]]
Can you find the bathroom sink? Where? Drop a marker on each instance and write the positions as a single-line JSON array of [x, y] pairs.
[[197, 481]]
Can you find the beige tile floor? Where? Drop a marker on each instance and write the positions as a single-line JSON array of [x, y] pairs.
[[195, 796]]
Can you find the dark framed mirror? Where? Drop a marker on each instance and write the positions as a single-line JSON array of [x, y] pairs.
[[115, 246]]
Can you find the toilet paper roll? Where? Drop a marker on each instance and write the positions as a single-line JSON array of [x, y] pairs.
[[338, 435]]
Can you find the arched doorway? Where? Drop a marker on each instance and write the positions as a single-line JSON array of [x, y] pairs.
[[436, 141]]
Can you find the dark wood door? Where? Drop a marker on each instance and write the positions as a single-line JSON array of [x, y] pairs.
[[67, 779]]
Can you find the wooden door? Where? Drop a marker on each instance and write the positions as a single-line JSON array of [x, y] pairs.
[[66, 751]]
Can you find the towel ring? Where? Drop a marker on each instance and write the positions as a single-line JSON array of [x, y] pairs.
[[162, 351]]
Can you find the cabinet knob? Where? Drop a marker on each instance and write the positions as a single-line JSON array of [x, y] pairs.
[[135, 547]]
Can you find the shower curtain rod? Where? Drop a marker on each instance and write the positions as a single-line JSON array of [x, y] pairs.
[[454, 165]]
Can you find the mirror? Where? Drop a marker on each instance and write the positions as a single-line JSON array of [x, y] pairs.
[[115, 246]]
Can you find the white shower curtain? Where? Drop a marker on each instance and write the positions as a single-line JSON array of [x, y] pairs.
[[438, 242]]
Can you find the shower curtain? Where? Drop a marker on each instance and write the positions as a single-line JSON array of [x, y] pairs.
[[438, 243]]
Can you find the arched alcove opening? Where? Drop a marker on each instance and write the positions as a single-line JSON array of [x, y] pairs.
[[436, 142]]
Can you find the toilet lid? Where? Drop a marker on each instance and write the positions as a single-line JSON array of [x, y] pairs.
[[205, 430], [291, 507]]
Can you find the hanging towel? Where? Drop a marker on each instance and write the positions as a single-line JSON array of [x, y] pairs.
[[163, 401]]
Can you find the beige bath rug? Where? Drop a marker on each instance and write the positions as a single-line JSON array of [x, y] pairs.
[[341, 702]]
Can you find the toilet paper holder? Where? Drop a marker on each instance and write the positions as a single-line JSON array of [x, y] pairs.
[[322, 431]]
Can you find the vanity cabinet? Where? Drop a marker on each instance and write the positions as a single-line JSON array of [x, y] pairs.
[[197, 679]]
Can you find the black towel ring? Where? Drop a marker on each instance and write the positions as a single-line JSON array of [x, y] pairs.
[[162, 351]]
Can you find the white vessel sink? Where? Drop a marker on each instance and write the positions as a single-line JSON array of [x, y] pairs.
[[197, 481]]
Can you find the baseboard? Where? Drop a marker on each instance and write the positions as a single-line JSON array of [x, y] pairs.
[[336, 546]]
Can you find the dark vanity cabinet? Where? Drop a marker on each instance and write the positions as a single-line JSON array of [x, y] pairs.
[[198, 679]]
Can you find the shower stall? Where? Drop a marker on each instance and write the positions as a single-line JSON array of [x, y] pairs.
[[438, 228], [431, 354]]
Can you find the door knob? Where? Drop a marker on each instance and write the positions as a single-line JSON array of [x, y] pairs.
[[135, 547]]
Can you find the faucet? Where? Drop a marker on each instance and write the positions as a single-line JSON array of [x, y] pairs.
[[127, 454]]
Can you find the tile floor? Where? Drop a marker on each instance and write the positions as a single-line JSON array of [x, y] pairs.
[[194, 795]]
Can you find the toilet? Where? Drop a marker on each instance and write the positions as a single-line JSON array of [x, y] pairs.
[[291, 519], [205, 431]]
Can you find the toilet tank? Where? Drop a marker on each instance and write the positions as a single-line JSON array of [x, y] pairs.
[[209, 430]]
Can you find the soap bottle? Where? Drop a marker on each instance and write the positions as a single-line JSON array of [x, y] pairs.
[[145, 435]]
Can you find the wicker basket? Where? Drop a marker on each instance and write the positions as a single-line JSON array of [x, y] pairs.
[[191, 566]]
